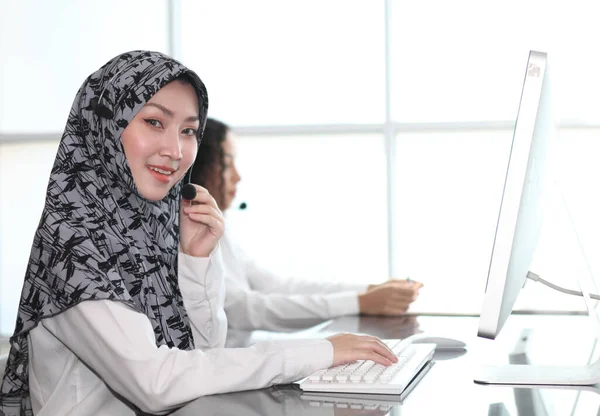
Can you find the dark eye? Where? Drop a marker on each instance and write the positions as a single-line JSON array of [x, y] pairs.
[[190, 132], [153, 122]]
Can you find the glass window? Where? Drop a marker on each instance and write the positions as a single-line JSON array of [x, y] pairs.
[[448, 187], [569, 242], [21, 164], [49, 48], [316, 205], [269, 62], [465, 60]]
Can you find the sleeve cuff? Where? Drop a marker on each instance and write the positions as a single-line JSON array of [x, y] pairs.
[[192, 271], [344, 303], [360, 288], [193, 268], [303, 357]]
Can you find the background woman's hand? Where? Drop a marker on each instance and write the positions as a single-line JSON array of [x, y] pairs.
[[390, 298], [350, 347], [201, 224]]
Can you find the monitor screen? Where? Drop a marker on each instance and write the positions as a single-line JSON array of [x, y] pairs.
[[520, 216]]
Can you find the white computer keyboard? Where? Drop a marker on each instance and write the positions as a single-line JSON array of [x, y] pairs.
[[365, 376]]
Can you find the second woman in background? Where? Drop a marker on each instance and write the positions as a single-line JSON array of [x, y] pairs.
[[259, 299]]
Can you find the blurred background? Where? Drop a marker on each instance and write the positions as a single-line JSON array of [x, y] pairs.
[[373, 136]]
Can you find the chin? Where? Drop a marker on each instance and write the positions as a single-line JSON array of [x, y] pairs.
[[154, 194]]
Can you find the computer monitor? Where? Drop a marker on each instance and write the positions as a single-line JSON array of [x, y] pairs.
[[520, 217], [518, 229]]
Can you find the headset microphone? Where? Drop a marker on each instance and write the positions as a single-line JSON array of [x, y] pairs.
[[188, 191], [243, 205]]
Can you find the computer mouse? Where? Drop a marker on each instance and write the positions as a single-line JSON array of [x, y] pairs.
[[442, 343]]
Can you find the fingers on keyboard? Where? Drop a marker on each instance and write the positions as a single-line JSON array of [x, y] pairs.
[[378, 351]]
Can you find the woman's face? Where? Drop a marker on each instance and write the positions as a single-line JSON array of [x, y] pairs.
[[160, 142], [225, 193]]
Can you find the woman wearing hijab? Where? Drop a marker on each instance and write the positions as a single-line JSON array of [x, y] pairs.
[[122, 302], [259, 299]]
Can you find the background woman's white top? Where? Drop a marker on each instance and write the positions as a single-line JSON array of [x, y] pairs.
[[259, 299]]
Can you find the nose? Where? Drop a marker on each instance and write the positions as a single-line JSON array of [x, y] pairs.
[[236, 175], [171, 145]]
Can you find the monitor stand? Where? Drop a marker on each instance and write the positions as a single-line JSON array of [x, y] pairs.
[[519, 375]]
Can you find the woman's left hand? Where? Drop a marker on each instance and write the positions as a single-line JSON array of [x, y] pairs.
[[201, 224]]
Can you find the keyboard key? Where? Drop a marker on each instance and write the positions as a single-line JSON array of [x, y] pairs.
[[317, 375]]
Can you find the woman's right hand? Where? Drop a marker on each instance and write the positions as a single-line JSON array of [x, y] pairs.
[[201, 224], [350, 347]]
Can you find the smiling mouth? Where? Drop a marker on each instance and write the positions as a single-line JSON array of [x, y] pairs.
[[161, 171]]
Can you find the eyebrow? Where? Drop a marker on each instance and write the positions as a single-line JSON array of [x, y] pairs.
[[169, 112]]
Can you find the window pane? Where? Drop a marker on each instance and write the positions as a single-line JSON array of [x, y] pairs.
[[301, 62], [466, 61], [48, 48], [28, 163], [316, 205], [573, 179], [449, 186]]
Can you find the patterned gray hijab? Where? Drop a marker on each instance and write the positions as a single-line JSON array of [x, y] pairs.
[[98, 238]]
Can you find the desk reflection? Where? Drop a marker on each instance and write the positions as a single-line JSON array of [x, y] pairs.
[[547, 400], [284, 400], [383, 327], [389, 327]]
